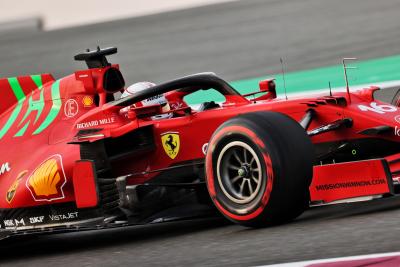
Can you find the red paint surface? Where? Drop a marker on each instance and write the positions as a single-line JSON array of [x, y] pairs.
[[347, 180], [84, 185]]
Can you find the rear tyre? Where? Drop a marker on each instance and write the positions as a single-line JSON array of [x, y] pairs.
[[258, 169]]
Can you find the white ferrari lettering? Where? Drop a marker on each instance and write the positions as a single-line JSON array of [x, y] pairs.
[[5, 167]]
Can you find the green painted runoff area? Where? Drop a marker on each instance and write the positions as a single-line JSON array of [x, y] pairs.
[[366, 72]]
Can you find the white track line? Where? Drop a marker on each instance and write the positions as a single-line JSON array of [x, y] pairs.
[[360, 257]]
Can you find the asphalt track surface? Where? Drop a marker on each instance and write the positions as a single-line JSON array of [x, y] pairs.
[[237, 40]]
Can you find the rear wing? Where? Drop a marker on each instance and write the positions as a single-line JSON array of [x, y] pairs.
[[15, 89]]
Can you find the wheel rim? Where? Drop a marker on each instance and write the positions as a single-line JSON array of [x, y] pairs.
[[239, 172]]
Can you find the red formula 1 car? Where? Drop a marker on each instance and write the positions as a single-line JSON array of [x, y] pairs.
[[75, 157]]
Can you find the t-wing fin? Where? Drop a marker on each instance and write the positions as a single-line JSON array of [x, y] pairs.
[[96, 58]]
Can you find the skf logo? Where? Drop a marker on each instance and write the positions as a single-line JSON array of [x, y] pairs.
[[171, 144], [13, 188], [5, 167], [47, 181]]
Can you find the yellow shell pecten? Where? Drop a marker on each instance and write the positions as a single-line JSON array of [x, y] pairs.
[[45, 179]]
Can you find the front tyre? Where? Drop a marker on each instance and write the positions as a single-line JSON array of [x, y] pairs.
[[258, 168]]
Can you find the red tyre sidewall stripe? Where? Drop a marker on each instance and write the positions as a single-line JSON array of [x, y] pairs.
[[210, 174]]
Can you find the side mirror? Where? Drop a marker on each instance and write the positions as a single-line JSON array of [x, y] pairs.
[[268, 86]]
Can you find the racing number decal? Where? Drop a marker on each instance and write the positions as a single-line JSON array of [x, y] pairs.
[[374, 107], [33, 105], [171, 144]]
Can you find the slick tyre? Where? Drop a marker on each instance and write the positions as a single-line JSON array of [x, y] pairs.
[[258, 169]]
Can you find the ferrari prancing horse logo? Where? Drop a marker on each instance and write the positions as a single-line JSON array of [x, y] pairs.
[[171, 143]]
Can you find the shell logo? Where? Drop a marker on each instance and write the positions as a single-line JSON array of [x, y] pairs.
[[47, 181], [87, 101]]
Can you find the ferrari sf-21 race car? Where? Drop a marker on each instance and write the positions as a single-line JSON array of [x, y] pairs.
[[76, 157]]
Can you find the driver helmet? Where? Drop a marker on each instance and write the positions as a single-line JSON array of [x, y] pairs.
[[157, 99]]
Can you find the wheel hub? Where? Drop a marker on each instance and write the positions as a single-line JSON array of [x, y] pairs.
[[244, 171], [239, 172]]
